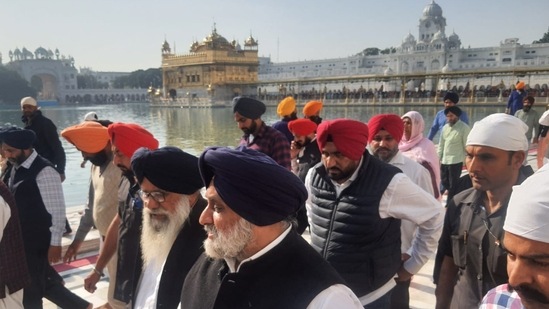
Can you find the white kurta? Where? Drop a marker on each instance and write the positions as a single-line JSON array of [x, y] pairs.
[[147, 290]]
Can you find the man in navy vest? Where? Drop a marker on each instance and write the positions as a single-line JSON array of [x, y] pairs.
[[355, 206], [254, 258]]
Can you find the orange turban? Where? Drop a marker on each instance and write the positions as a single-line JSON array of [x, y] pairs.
[[302, 126], [312, 108], [286, 107], [89, 136], [389, 122], [520, 85], [349, 136], [128, 137]]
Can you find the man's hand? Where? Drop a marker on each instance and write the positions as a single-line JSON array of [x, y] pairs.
[[91, 281], [294, 150], [403, 274], [72, 251], [54, 254]]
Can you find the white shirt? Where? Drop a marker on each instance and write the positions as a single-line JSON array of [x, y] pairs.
[[147, 291], [402, 199], [337, 296], [421, 177], [5, 214]]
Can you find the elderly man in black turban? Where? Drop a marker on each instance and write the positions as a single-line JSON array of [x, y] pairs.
[[171, 238], [258, 135], [254, 257]]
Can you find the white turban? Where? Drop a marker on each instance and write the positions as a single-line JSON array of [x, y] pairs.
[[500, 131], [544, 119], [528, 210]]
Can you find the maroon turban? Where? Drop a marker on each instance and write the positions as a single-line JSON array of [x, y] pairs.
[[389, 122], [128, 137], [302, 126], [349, 136]]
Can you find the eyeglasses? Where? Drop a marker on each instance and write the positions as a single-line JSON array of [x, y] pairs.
[[158, 196]]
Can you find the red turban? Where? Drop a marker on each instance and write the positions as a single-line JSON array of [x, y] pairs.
[[389, 122], [349, 136], [128, 137], [302, 127], [311, 108]]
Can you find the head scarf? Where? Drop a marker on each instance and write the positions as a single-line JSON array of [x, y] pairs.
[[168, 168], [17, 138], [454, 110], [89, 136], [286, 107], [252, 184], [90, 116], [312, 108], [528, 209], [248, 107], [418, 126], [128, 137], [28, 101], [302, 127], [452, 96], [388, 122], [500, 131], [349, 136]]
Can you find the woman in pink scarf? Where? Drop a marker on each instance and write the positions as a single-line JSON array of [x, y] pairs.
[[419, 148]]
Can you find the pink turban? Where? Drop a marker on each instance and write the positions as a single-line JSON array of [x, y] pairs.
[[388, 122], [349, 136]]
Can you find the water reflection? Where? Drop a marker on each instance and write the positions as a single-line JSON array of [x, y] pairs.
[[191, 129]]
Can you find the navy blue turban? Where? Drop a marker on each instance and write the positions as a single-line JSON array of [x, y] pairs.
[[17, 137], [452, 96], [248, 107], [252, 184], [454, 110], [168, 168]]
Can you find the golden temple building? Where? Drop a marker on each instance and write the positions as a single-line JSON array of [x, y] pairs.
[[214, 70]]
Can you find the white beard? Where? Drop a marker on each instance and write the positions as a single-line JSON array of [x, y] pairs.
[[229, 244], [157, 237]]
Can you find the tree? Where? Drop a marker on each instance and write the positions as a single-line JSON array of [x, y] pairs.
[[13, 87], [370, 51], [544, 39], [139, 79]]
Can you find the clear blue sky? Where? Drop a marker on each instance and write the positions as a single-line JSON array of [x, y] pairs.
[[126, 35]]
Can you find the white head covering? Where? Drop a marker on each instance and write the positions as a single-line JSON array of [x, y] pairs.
[[528, 210], [90, 116], [544, 119], [500, 131], [28, 101]]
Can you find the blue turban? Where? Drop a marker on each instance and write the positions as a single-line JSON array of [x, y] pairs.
[[252, 184], [452, 96], [454, 110], [168, 168], [248, 107], [17, 137]]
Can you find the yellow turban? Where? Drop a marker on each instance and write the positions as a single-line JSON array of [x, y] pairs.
[[312, 108], [286, 107], [89, 136], [520, 85]]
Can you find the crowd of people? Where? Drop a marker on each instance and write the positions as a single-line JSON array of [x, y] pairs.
[[223, 230]]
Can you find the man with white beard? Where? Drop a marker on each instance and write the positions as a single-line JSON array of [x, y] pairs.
[[254, 257], [171, 238]]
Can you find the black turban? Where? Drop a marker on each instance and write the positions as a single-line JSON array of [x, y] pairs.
[[252, 184], [17, 137], [454, 110], [168, 168], [249, 108], [452, 96]]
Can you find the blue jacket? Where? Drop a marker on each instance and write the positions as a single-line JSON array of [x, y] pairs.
[[515, 101]]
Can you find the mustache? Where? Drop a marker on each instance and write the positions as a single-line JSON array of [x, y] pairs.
[[528, 293]]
